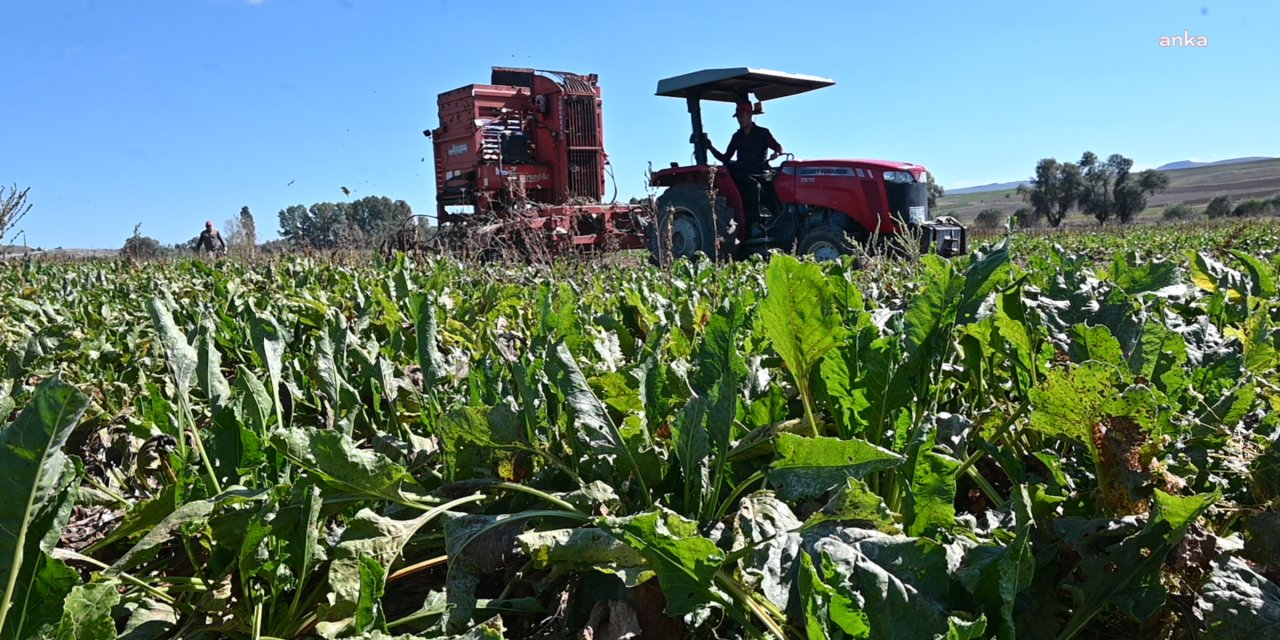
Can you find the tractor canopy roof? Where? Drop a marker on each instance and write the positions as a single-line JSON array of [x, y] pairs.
[[733, 85]]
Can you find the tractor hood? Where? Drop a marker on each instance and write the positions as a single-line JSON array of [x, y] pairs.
[[891, 165], [917, 172]]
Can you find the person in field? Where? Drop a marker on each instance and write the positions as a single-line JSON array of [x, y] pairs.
[[751, 143], [211, 241]]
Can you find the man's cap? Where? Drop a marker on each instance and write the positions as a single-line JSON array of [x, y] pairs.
[[208, 223], [743, 107]]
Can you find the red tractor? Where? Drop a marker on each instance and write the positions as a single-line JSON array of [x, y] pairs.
[[818, 207]]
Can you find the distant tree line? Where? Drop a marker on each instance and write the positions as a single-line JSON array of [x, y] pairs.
[[1222, 206], [1108, 189], [361, 224]]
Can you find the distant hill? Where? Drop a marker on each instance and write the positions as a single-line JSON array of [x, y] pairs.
[[994, 186], [1172, 166], [1240, 178], [1190, 164]]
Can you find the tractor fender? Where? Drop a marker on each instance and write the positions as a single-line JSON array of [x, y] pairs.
[[701, 175]]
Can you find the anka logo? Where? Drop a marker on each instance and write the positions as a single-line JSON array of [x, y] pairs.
[[1186, 39]]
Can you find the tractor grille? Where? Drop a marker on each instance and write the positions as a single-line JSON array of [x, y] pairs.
[[584, 174], [580, 121], [582, 128]]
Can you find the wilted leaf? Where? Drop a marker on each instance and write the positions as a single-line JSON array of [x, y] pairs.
[[148, 620], [584, 549], [933, 493], [1095, 343], [1135, 276], [86, 613], [767, 526], [191, 514], [597, 435], [996, 573], [809, 467], [960, 629], [904, 583], [856, 504], [686, 563], [36, 494], [1120, 566], [1239, 604], [1261, 273], [429, 357], [337, 460], [370, 542], [824, 606], [181, 357]]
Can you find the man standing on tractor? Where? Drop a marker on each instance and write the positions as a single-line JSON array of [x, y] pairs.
[[750, 142], [207, 239]]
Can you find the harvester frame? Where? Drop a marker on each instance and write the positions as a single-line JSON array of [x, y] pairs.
[[520, 166]]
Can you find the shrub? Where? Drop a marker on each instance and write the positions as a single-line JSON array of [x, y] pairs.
[[1219, 207], [1178, 211], [1252, 207], [989, 218], [1026, 217], [140, 247]]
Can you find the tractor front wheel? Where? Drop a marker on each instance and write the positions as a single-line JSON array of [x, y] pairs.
[[829, 242], [692, 219]]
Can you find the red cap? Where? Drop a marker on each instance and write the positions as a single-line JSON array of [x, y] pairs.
[[743, 107], [208, 223]]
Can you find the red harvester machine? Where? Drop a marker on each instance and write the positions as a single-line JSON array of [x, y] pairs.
[[520, 165]]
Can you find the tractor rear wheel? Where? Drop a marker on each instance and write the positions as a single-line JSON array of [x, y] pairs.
[[691, 219], [829, 242]]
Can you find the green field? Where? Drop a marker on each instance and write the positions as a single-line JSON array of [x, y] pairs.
[[1195, 186], [1066, 436]]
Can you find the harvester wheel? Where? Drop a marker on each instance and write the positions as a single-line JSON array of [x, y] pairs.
[[690, 220], [829, 242]]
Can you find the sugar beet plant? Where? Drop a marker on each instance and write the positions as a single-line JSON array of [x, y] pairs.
[[1046, 441]]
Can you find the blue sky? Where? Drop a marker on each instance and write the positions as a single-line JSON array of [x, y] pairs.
[[171, 112]]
